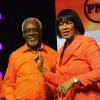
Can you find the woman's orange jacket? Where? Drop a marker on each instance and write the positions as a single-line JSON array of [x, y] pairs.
[[81, 59]]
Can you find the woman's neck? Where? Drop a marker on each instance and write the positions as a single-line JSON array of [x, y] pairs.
[[68, 42]]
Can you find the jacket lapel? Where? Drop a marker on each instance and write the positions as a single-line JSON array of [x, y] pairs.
[[65, 55]]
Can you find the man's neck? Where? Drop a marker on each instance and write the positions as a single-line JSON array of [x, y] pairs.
[[35, 48]]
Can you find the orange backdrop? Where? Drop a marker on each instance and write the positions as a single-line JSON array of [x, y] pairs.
[[82, 6]]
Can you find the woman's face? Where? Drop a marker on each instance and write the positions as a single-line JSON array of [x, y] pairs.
[[67, 29]]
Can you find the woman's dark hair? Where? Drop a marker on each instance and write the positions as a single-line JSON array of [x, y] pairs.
[[71, 15]]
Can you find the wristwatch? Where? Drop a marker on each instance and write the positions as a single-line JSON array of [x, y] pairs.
[[75, 80]]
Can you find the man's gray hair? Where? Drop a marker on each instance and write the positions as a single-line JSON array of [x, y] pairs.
[[31, 19]]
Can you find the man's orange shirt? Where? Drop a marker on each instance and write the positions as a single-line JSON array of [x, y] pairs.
[[22, 77]]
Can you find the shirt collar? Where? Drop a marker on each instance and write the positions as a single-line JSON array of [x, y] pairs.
[[42, 48]]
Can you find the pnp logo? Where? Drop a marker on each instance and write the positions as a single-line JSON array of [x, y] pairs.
[[92, 10]]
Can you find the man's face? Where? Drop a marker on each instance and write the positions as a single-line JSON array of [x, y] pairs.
[[32, 33]]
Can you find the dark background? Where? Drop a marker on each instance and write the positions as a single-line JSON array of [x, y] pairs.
[[14, 12]]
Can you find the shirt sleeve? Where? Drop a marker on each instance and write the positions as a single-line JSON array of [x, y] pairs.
[[92, 52], [8, 82]]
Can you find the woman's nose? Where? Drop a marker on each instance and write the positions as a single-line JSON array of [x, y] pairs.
[[65, 26]]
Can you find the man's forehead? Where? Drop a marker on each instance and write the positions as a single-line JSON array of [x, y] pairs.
[[31, 24]]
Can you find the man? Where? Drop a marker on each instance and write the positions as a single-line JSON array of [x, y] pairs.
[[23, 79]]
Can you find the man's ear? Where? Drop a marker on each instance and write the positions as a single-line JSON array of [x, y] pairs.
[[23, 35]]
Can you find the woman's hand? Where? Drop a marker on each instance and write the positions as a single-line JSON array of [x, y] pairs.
[[40, 60], [63, 88]]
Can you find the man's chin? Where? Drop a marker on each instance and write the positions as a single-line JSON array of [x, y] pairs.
[[32, 44]]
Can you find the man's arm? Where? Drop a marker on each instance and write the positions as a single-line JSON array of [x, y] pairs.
[[8, 82]]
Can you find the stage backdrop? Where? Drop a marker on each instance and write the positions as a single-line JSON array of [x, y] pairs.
[[88, 10]]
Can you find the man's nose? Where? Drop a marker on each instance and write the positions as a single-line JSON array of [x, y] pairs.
[[32, 33]]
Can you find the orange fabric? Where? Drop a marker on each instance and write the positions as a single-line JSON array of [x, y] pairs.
[[22, 79], [1, 94], [82, 59], [79, 7]]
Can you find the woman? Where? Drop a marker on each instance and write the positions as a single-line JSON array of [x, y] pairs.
[[78, 66]]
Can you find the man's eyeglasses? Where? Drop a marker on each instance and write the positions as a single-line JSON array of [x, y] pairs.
[[33, 30]]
